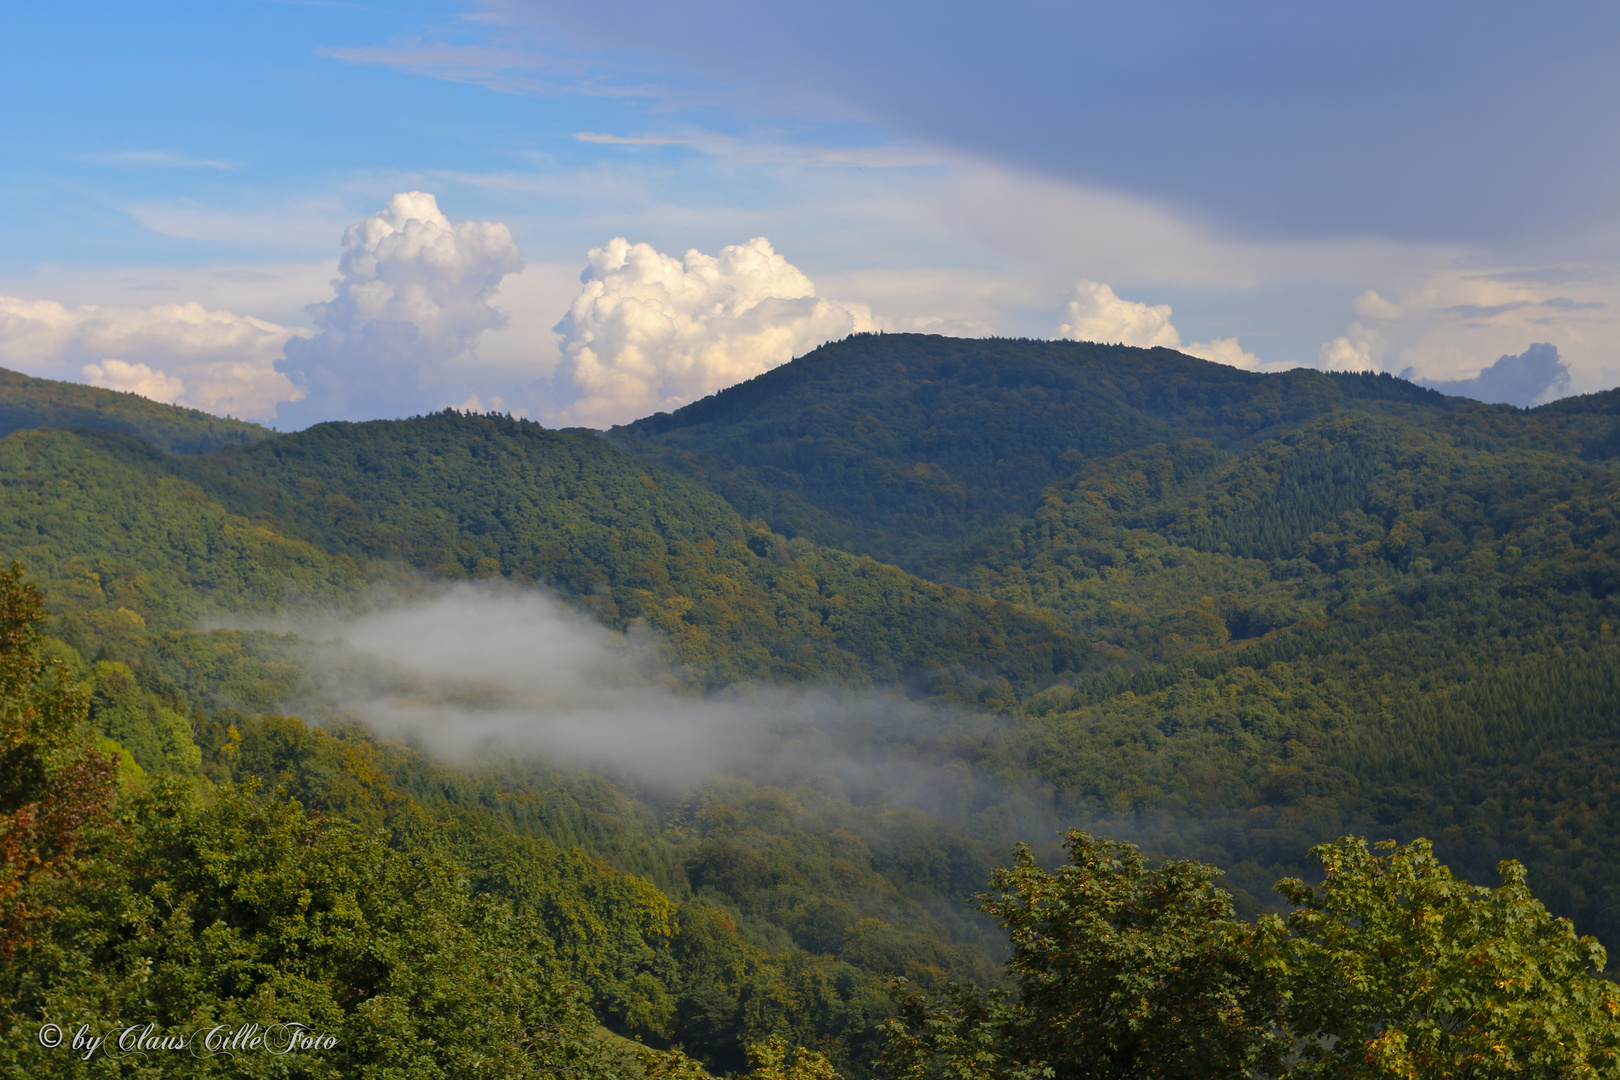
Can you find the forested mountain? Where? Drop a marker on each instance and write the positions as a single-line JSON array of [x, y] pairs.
[[901, 444], [1221, 614]]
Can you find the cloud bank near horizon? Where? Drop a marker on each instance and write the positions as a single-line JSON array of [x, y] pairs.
[[1534, 377], [645, 331], [1095, 313], [180, 354], [650, 333]]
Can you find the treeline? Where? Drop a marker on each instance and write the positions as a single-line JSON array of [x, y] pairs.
[[903, 445], [27, 402]]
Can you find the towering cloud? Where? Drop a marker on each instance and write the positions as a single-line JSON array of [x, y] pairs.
[[1533, 377], [1095, 313], [179, 353], [649, 332], [413, 295]]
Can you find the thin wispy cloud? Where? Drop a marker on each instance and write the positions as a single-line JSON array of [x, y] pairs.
[[758, 151], [158, 159], [503, 69], [1551, 275], [301, 225], [633, 140], [1554, 303]]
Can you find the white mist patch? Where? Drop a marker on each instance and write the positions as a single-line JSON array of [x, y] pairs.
[[478, 672]]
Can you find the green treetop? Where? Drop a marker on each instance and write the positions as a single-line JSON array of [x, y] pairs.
[[1391, 968]]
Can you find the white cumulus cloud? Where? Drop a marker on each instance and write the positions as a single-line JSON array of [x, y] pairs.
[[184, 354], [650, 332], [413, 295], [1345, 353], [135, 379], [1095, 313], [1522, 336], [1224, 350]]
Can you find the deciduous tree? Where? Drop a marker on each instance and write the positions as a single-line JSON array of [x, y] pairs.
[[1122, 970], [1395, 968], [54, 786]]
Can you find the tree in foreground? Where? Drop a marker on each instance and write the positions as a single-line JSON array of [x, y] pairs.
[[249, 911], [1391, 968], [54, 787], [1121, 971], [1394, 968]]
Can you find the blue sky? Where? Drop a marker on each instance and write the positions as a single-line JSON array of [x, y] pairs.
[[1420, 188]]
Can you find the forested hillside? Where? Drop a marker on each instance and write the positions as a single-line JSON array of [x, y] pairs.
[[1223, 615], [131, 534], [27, 402], [901, 444]]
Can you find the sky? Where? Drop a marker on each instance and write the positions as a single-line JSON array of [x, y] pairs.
[[304, 211]]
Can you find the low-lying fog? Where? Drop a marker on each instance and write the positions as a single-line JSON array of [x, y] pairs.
[[471, 672]]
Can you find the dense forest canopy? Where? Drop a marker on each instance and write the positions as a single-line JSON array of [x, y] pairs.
[[1223, 615]]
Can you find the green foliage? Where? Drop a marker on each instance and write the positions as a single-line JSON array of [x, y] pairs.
[[483, 496], [774, 917], [124, 548], [27, 402], [1395, 968], [157, 736], [769, 1061], [1121, 970], [609, 931], [54, 785], [903, 445], [1228, 615], [130, 542], [251, 912], [1391, 968]]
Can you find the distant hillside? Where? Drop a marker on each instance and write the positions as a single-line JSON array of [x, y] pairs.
[[481, 496], [120, 543], [26, 402], [123, 536], [902, 445]]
